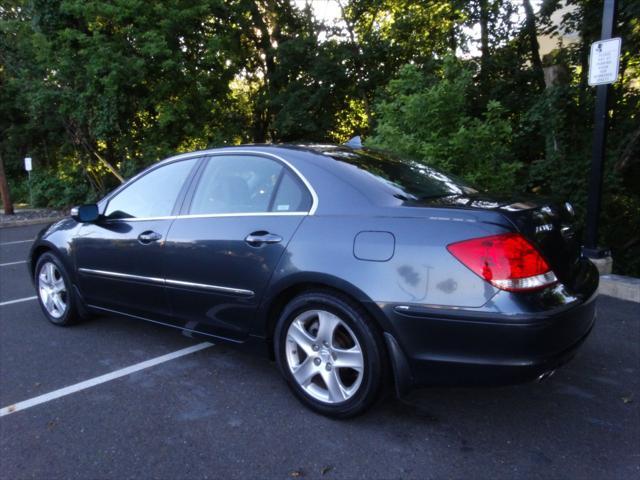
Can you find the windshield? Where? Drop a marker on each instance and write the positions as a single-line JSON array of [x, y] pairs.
[[404, 179]]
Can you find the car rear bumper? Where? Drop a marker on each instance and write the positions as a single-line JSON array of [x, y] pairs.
[[438, 347]]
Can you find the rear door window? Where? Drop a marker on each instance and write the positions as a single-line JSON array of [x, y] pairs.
[[236, 184]]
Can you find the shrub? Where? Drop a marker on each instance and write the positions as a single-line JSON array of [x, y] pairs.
[[426, 118], [60, 187]]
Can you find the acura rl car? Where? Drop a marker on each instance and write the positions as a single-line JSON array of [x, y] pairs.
[[356, 271]]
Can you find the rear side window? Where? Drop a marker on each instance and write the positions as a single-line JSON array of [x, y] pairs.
[[291, 196], [152, 195]]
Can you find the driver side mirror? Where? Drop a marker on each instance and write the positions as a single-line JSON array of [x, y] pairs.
[[85, 213]]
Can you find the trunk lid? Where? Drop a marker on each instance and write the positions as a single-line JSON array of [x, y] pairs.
[[550, 226]]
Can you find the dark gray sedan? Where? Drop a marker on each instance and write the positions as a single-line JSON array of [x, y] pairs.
[[354, 270]]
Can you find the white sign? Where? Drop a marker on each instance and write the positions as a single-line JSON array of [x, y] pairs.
[[28, 166], [604, 61]]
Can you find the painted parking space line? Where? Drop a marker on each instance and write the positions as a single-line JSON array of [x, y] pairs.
[[92, 382], [12, 263], [17, 300], [15, 242]]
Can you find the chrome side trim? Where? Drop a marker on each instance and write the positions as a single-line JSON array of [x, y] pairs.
[[211, 215], [217, 288], [108, 273], [213, 153], [169, 282], [247, 214]]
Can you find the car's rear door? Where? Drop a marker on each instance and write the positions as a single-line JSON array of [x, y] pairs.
[[235, 226], [119, 258]]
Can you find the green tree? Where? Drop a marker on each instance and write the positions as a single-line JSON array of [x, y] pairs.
[[426, 117]]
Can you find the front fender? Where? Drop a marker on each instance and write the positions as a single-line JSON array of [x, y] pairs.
[[56, 238]]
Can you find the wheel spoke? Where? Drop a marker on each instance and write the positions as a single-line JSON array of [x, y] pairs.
[[59, 304], [48, 302], [327, 324], [43, 279], [351, 358], [298, 334], [59, 284], [335, 388], [305, 372], [51, 275]]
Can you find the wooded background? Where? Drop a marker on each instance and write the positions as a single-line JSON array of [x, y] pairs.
[[96, 90]]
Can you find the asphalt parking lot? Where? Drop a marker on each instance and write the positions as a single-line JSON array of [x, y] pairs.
[[217, 412]]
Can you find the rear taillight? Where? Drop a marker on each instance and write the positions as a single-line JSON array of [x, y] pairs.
[[507, 261]]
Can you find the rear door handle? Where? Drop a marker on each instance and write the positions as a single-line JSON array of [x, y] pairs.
[[256, 239], [149, 236]]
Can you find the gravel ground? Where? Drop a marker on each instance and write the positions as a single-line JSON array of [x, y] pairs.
[[24, 216]]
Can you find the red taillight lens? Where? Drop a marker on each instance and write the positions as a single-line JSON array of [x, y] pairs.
[[507, 261]]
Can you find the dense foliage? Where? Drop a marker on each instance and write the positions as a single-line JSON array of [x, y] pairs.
[[94, 91]]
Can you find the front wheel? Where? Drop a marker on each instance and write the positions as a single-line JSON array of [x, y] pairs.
[[55, 291], [330, 353]]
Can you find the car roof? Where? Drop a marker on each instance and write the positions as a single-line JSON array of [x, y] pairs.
[[284, 148]]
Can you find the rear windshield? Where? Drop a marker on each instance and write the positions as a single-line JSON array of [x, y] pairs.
[[404, 179]]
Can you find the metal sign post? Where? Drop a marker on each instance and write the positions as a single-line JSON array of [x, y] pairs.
[[603, 70], [28, 166]]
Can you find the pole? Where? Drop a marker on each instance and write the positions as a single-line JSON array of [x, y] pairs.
[[30, 192], [601, 118]]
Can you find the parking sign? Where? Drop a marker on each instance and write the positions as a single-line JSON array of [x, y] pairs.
[[604, 61]]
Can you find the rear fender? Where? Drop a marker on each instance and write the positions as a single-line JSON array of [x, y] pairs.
[[286, 288]]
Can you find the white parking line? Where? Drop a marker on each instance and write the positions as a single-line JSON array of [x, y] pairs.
[[16, 242], [17, 300], [12, 263], [92, 382]]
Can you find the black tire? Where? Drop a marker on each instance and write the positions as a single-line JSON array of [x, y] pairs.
[[71, 314], [370, 342]]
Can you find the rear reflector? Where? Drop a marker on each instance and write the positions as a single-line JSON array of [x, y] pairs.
[[507, 261]]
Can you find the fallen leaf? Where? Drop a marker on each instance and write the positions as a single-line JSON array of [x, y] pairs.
[[296, 474], [628, 399], [325, 470]]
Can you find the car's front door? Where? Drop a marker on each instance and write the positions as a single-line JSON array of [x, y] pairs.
[[119, 258], [236, 224]]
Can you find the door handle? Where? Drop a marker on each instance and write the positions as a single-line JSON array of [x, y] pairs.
[[149, 236], [256, 239]]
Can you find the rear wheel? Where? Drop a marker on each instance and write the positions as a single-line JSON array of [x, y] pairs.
[[55, 291], [330, 353]]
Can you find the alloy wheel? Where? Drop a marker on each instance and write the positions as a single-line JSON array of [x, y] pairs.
[[324, 356], [52, 290]]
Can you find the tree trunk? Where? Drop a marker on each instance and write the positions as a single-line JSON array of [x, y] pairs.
[[484, 37], [628, 156], [259, 12], [453, 41], [584, 96], [532, 33], [361, 92], [4, 190]]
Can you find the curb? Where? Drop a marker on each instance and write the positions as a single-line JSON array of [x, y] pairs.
[[30, 221], [621, 287]]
